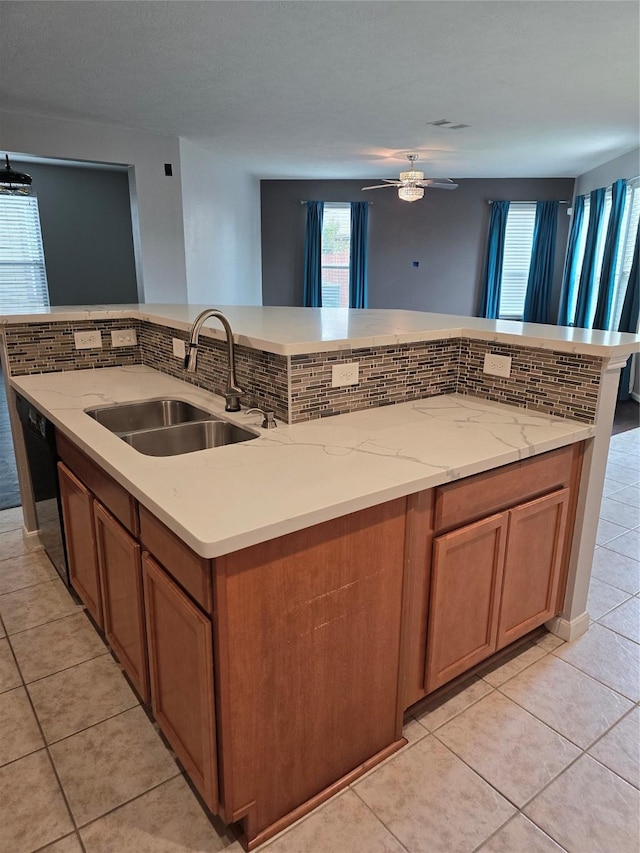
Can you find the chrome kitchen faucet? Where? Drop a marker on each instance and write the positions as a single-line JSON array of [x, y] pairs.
[[232, 392]]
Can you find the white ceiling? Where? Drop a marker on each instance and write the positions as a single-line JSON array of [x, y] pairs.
[[342, 89]]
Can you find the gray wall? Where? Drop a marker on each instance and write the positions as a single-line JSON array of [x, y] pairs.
[[85, 216], [446, 232]]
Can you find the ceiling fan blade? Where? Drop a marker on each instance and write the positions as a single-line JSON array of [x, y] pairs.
[[379, 187], [394, 181], [441, 184]]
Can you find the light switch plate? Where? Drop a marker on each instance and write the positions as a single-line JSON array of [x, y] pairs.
[[497, 365], [344, 374], [178, 348], [124, 338], [88, 340]]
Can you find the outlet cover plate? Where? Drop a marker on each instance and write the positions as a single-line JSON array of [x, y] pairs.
[[497, 365], [345, 374], [88, 340], [124, 338], [178, 348]]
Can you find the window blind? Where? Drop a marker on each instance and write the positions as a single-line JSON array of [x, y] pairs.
[[625, 250], [23, 279], [518, 243]]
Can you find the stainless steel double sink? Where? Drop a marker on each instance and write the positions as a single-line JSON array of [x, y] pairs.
[[168, 427]]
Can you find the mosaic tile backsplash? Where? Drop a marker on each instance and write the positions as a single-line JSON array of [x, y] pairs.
[[298, 388]]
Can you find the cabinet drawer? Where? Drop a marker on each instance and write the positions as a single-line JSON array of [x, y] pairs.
[[475, 497], [192, 572], [117, 500]]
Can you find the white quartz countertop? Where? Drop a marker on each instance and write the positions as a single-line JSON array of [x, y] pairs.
[[226, 498], [294, 331]]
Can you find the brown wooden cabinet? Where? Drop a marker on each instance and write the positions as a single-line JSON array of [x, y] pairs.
[[492, 582], [180, 647], [466, 581], [122, 596], [77, 511]]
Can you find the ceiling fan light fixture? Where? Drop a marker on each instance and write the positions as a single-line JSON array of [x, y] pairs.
[[12, 182], [410, 193], [411, 176]]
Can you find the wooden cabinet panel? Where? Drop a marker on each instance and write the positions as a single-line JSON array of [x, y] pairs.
[[465, 596], [494, 491], [181, 666], [117, 500], [122, 597], [192, 572], [307, 652], [77, 511], [532, 565]]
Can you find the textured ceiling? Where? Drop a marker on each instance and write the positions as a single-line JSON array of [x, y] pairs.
[[341, 89]]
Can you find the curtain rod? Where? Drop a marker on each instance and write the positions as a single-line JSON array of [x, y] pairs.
[[304, 201], [560, 201]]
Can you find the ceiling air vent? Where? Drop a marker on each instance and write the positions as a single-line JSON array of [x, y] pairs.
[[449, 125]]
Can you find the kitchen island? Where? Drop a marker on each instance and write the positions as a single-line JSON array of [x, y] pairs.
[[260, 563]]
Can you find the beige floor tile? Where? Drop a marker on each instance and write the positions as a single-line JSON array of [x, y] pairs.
[[36, 605], [627, 474], [628, 544], [619, 749], [77, 698], [110, 763], [549, 642], [168, 819], [437, 713], [20, 732], [607, 657], [9, 675], [12, 544], [619, 513], [432, 802], [590, 810], [57, 645], [608, 530], [625, 619], [344, 824], [32, 807], [566, 699], [617, 570], [70, 844], [611, 487], [512, 666], [25, 570], [412, 730], [11, 519], [603, 597], [520, 836], [3, 633], [628, 495], [508, 747]]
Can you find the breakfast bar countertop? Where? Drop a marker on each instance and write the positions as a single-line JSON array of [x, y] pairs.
[[226, 498]]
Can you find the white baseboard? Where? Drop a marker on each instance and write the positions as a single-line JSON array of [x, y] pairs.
[[635, 396], [568, 629], [31, 540]]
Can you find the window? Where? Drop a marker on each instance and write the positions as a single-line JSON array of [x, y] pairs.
[[624, 260], [336, 249], [518, 243], [23, 280]]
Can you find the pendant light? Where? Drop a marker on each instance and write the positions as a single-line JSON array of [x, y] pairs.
[[12, 182]]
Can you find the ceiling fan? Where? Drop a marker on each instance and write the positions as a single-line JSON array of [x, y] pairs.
[[412, 183]]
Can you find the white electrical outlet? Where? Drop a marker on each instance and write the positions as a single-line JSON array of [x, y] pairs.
[[178, 348], [88, 340], [344, 374], [124, 338], [497, 365]]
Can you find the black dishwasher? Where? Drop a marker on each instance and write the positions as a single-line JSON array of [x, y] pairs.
[[40, 444]]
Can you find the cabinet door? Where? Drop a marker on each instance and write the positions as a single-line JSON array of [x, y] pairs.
[[465, 596], [77, 511], [181, 665], [532, 565], [121, 576]]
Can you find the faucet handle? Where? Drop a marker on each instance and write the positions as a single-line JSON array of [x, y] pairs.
[[269, 421]]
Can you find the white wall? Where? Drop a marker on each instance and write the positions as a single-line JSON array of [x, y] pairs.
[[157, 199], [626, 166], [221, 207]]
